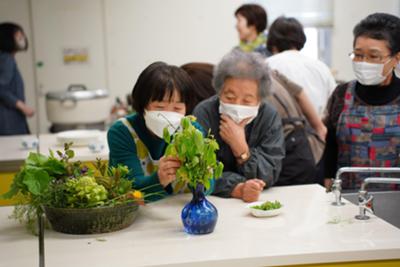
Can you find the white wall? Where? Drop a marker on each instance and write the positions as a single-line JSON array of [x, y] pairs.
[[124, 36], [17, 11], [175, 31], [60, 24], [346, 15]]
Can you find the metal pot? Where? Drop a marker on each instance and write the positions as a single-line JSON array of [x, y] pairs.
[[78, 105]]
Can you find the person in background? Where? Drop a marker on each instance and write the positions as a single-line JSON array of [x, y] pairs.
[[303, 129], [247, 129], [363, 115], [251, 22], [285, 40], [159, 99], [13, 109], [201, 74]]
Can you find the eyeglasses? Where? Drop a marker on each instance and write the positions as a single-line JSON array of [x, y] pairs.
[[368, 58]]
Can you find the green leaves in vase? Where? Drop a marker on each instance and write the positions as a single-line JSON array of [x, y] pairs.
[[197, 154]]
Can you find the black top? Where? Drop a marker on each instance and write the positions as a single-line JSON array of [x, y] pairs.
[[374, 95]]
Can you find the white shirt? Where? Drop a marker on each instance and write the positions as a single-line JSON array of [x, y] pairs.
[[311, 74]]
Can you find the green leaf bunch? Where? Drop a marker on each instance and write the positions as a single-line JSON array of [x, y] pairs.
[[115, 179], [196, 153], [34, 178], [56, 181]]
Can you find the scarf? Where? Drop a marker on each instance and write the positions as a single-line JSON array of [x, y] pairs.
[[251, 46]]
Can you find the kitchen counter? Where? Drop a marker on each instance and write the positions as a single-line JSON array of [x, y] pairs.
[[309, 230], [13, 155], [82, 153]]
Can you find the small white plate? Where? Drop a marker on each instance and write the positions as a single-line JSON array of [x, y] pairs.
[[78, 137], [263, 213]]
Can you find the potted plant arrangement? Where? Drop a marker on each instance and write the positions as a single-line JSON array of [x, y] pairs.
[[76, 199], [199, 167]]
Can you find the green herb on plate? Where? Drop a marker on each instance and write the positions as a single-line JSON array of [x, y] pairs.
[[268, 205]]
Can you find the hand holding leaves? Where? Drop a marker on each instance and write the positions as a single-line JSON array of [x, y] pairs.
[[196, 153]]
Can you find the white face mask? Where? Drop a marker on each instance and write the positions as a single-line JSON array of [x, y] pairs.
[[369, 73], [156, 121], [238, 112]]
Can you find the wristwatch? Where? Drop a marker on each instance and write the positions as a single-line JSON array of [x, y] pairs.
[[244, 156]]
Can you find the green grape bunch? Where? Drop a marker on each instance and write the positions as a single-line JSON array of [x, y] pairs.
[[197, 154]]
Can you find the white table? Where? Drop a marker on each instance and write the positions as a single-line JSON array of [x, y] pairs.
[[309, 231]]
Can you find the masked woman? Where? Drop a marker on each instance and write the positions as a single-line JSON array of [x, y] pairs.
[[247, 129], [13, 110], [159, 99], [364, 115]]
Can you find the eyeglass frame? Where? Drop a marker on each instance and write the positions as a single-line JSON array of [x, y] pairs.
[[366, 58]]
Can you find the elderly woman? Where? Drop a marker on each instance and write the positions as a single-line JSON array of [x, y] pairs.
[[247, 129], [363, 115]]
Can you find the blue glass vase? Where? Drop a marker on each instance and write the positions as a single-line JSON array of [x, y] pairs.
[[199, 216]]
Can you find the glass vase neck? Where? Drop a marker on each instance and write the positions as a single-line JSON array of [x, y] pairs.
[[198, 192]]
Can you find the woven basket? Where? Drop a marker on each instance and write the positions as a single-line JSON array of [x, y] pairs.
[[91, 220]]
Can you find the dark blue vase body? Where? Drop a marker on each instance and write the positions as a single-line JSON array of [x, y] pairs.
[[199, 216]]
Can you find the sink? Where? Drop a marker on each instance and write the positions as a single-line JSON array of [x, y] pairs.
[[386, 205]]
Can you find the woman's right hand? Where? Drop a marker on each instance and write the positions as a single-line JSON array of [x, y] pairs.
[[321, 131], [249, 191], [167, 169], [28, 111]]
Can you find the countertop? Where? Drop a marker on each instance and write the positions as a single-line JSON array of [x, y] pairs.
[[82, 153], [11, 147], [13, 154], [309, 230]]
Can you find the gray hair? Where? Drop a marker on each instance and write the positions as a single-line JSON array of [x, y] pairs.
[[242, 65]]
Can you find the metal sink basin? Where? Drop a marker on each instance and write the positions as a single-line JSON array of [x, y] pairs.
[[386, 205]]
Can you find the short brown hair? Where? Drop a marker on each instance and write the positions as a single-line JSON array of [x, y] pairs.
[[255, 15]]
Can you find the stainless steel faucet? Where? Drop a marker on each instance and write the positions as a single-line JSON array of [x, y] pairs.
[[364, 204], [365, 201], [337, 192], [336, 188]]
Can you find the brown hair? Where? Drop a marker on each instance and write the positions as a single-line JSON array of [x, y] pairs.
[[285, 34], [255, 15], [201, 74]]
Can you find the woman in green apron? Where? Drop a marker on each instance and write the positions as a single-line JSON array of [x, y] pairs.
[[159, 97]]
